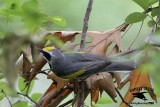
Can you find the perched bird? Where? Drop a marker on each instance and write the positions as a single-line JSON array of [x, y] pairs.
[[70, 65]]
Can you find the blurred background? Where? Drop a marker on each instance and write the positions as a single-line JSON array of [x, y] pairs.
[[105, 15]]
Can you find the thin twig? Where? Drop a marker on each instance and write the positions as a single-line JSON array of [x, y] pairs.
[[82, 45], [28, 89], [126, 31], [66, 103], [25, 95], [136, 36], [122, 97], [85, 24], [7, 98]]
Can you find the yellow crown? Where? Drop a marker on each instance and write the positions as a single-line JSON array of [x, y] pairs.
[[49, 48]]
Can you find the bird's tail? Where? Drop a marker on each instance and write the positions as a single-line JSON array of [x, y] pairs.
[[120, 66]]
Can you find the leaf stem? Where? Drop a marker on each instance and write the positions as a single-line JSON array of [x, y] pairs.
[[7, 97]]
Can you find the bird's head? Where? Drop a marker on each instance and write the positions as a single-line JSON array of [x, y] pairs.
[[47, 52], [51, 53]]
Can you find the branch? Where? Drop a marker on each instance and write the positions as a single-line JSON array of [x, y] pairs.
[[145, 12], [80, 95], [122, 97], [150, 36], [7, 98], [85, 24], [136, 36], [25, 95]]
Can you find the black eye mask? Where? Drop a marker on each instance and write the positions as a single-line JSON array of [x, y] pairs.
[[46, 55]]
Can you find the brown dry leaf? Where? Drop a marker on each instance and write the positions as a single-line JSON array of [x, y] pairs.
[[51, 97], [60, 82], [138, 79], [51, 88], [27, 62], [94, 94], [64, 36], [62, 95], [37, 67], [105, 81], [101, 40]]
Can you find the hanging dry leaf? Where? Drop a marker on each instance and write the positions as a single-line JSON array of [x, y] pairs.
[[64, 36], [60, 82], [101, 40], [138, 79]]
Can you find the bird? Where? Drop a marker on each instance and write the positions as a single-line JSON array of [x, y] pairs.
[[140, 95], [81, 65]]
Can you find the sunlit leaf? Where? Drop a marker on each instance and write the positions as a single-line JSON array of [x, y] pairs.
[[2, 75], [33, 16], [1, 95], [60, 21], [157, 90], [21, 86], [12, 4], [104, 101], [2, 12], [152, 1], [30, 6], [135, 17], [36, 96], [21, 104], [8, 91]]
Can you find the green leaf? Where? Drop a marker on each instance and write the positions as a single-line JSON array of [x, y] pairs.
[[1, 96], [33, 16], [152, 1], [135, 17], [155, 12], [157, 32], [21, 104], [104, 101], [60, 21], [2, 75], [2, 12], [21, 86], [56, 40], [9, 92], [13, 4], [151, 23], [36, 96], [157, 90], [142, 3], [30, 6]]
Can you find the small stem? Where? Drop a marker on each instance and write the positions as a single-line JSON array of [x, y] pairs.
[[7, 98], [122, 97], [25, 95], [136, 36]]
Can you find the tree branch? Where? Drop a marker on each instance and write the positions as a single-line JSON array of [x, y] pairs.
[[85, 24], [122, 97], [80, 95]]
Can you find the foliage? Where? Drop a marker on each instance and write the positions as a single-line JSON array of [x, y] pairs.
[[21, 60]]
